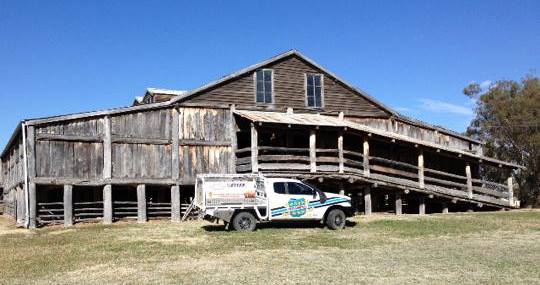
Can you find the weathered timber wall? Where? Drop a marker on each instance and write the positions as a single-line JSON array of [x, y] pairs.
[[13, 166], [205, 141], [289, 91], [141, 146]]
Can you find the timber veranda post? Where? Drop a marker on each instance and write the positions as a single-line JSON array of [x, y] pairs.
[[254, 149], [340, 153], [313, 151], [421, 169], [468, 174], [365, 153]]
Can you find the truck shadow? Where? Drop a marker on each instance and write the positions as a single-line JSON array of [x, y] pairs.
[[277, 225]]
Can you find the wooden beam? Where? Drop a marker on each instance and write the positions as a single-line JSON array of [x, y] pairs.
[[340, 152], [469, 180], [107, 148], [367, 200], [68, 138], [107, 204], [116, 139], [254, 149], [141, 203], [366, 157], [175, 204], [191, 142], [421, 205], [68, 205], [421, 169], [313, 151], [399, 204], [175, 138]]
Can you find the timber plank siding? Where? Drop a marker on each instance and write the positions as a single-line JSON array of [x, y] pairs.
[[289, 91]]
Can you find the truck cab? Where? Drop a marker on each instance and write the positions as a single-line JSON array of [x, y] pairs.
[[245, 200]]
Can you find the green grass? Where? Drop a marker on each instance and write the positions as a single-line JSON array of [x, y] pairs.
[[471, 248]]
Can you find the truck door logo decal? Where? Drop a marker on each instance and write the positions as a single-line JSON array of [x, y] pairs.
[[297, 207]]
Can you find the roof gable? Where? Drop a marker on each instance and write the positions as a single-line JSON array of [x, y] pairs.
[[292, 53]]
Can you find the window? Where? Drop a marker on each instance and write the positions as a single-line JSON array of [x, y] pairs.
[[263, 79], [299, 189], [314, 91], [279, 188]]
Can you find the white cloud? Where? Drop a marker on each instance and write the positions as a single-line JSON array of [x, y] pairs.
[[445, 107], [402, 109], [485, 84]]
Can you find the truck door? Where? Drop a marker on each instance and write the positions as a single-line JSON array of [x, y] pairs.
[[292, 201]]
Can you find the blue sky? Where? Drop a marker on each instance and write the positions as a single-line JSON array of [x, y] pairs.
[[60, 57]]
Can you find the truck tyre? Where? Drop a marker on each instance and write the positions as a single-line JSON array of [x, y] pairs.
[[335, 220], [244, 222]]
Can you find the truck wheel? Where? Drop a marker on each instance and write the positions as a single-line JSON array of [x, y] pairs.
[[244, 222], [335, 220]]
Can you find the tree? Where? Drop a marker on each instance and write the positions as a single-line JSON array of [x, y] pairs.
[[508, 120]]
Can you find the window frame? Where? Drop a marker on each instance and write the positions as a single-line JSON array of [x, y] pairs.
[[301, 186], [306, 90], [271, 83]]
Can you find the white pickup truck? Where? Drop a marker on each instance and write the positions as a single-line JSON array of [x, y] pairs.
[[243, 200]]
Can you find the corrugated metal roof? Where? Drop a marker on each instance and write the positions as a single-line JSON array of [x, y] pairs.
[[329, 121]]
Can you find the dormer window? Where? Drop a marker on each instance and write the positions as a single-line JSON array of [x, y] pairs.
[[264, 85], [314, 90]]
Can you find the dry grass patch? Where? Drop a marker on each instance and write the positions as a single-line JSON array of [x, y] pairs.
[[493, 248]]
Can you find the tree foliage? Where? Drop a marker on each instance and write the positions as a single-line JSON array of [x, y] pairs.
[[508, 120]]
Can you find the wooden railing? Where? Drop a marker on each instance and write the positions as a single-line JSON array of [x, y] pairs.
[[88, 210], [307, 160], [50, 213]]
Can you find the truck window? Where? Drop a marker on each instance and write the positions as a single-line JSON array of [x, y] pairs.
[[279, 187], [299, 189]]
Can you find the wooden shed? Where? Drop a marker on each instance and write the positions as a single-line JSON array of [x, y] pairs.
[[286, 116]]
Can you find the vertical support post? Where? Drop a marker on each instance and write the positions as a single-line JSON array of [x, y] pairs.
[[399, 204], [68, 205], [366, 157], [175, 204], [234, 140], [421, 169], [31, 172], [313, 150], [340, 153], [32, 199], [19, 205], [141, 203], [107, 146], [367, 200], [107, 204], [175, 139], [254, 149], [421, 205], [469, 180], [510, 184], [445, 208]]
